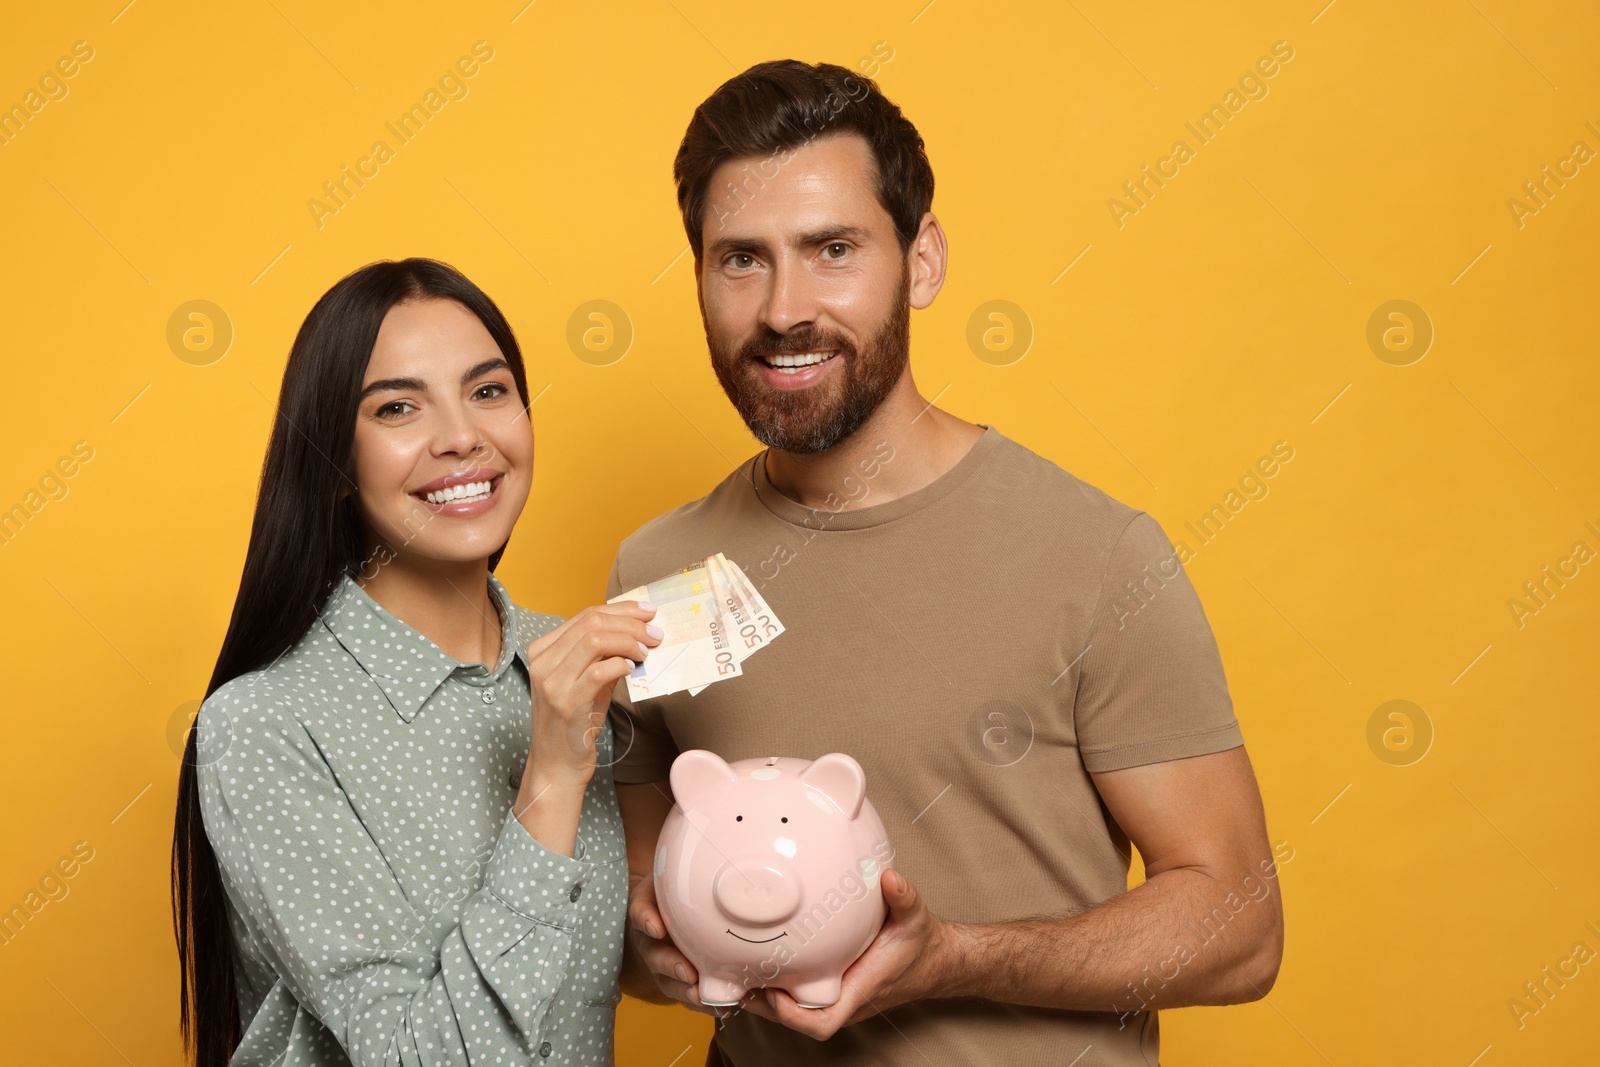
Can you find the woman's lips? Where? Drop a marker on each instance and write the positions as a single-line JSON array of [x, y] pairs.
[[469, 508]]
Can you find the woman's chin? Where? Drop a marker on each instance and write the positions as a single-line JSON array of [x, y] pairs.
[[460, 547]]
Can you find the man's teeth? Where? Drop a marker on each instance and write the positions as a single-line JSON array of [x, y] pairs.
[[793, 362], [466, 491]]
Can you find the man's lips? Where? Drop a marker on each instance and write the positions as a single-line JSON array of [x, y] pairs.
[[804, 358], [800, 377]]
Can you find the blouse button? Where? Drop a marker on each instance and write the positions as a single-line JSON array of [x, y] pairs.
[[516, 780], [488, 695], [573, 896], [544, 1050]]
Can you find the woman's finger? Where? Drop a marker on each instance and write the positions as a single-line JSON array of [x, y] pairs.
[[546, 660], [587, 651], [632, 609]]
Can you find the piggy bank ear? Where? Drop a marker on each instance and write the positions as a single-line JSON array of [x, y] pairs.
[[840, 779], [696, 774]]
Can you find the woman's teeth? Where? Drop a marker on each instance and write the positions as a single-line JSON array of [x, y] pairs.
[[466, 492], [790, 364]]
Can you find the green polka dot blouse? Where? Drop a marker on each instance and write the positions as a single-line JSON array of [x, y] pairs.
[[387, 906]]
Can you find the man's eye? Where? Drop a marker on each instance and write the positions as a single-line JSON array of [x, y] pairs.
[[741, 260], [835, 250]]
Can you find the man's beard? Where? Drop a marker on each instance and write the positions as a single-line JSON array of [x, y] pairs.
[[817, 417]]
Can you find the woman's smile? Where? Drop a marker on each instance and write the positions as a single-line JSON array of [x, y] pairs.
[[464, 495]]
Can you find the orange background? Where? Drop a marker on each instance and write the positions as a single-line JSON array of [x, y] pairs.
[[1439, 860]]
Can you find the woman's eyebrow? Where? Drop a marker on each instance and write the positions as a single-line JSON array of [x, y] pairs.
[[417, 385]]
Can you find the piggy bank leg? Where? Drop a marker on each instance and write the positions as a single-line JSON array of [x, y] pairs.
[[817, 993], [719, 992]]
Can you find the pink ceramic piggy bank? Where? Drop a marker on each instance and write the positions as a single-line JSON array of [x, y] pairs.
[[766, 873]]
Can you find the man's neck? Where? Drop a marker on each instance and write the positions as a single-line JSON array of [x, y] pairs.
[[448, 603], [905, 444]]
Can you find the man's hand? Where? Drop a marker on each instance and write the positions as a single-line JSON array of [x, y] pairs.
[[913, 957], [674, 975]]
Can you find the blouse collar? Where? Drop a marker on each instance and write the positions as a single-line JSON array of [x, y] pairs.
[[408, 666]]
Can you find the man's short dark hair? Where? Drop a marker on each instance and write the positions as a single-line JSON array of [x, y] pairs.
[[776, 107]]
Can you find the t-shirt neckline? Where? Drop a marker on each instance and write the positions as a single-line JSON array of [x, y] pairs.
[[797, 514]]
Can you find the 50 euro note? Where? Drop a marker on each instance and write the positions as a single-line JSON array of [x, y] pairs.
[[695, 649], [714, 619], [751, 624]]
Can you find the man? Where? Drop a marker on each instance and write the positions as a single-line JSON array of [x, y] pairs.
[[1016, 659]]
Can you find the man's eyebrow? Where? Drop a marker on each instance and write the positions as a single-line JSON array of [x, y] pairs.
[[723, 245], [834, 233], [417, 385]]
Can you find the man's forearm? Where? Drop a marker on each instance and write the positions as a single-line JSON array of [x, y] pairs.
[[1181, 938]]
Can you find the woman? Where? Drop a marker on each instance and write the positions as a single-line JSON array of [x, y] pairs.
[[388, 851]]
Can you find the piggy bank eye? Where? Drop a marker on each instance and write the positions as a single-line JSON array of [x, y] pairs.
[[785, 818], [738, 818]]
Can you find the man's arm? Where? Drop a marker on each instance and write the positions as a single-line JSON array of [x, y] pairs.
[[1206, 926]]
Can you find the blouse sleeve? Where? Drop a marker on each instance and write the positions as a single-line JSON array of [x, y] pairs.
[[341, 933]]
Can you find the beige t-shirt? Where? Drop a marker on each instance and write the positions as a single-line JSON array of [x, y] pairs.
[[979, 646]]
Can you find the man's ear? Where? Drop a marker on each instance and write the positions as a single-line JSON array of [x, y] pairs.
[[927, 259]]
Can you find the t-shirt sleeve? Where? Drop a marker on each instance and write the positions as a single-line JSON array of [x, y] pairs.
[[644, 746], [1151, 687]]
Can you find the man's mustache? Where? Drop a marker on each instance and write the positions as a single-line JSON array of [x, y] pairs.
[[773, 344]]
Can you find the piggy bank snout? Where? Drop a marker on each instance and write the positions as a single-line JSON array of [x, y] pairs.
[[756, 893]]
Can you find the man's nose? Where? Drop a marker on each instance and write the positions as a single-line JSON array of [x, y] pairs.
[[791, 300]]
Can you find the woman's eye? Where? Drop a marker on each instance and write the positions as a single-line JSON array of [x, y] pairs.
[[500, 390], [387, 410]]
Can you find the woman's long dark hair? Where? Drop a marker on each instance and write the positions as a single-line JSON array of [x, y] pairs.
[[306, 534]]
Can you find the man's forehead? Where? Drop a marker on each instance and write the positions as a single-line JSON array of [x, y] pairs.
[[828, 183]]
